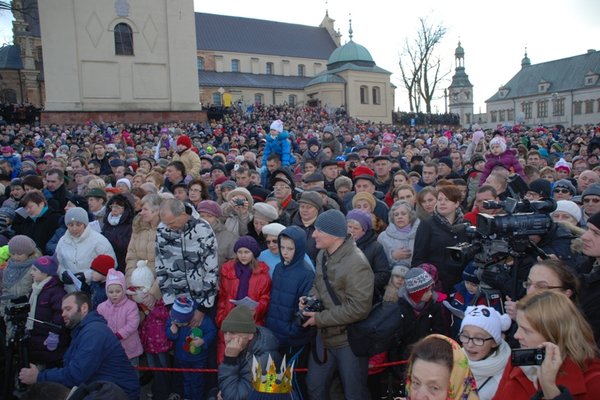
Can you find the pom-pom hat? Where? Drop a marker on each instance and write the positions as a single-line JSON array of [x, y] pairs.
[[182, 311], [488, 319], [417, 283]]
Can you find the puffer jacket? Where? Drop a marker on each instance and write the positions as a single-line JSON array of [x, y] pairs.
[[142, 246], [280, 145], [76, 254], [352, 280], [391, 239], [119, 235], [190, 160], [235, 373], [290, 282], [378, 261]]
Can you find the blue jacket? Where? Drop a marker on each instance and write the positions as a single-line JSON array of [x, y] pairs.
[[280, 145], [182, 348], [95, 354], [290, 282]]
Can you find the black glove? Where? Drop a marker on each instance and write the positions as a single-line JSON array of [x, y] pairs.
[[80, 276], [66, 278], [499, 280]]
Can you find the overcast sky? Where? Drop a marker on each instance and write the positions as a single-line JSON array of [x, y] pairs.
[[493, 34]]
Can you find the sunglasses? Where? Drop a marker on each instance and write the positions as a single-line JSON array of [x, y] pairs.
[[591, 200], [565, 191]]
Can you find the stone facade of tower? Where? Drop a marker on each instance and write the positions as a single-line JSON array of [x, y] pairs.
[[460, 91]]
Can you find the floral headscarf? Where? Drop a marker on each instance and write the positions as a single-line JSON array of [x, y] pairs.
[[462, 385]]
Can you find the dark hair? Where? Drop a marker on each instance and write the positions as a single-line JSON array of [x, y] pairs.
[[451, 192], [488, 188], [177, 165], [567, 278], [55, 171], [81, 298], [34, 196], [204, 191], [433, 349]]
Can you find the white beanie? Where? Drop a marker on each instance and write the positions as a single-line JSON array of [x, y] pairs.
[[498, 141], [570, 208], [142, 275], [124, 181], [272, 229], [277, 125], [488, 319]]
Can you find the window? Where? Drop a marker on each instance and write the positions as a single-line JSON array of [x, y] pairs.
[[558, 107], [269, 68], [292, 100], [258, 99], [235, 65], [364, 95], [589, 106], [200, 63], [542, 108], [577, 108], [216, 99], [527, 110], [123, 40], [8, 96], [494, 116], [376, 93], [501, 115], [510, 115], [301, 70]]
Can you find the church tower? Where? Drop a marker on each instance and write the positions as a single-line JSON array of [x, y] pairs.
[[119, 60], [460, 90]]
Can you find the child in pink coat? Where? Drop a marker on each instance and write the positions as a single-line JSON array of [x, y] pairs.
[[122, 315]]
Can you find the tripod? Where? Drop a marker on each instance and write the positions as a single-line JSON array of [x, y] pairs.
[[16, 356]]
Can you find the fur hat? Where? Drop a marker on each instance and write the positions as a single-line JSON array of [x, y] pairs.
[[102, 263], [265, 211], [570, 208], [77, 214], [210, 207], [247, 242], [312, 198], [47, 265], [362, 218], [22, 245], [488, 319], [239, 320], [277, 125], [142, 275], [332, 222], [182, 311], [418, 281], [498, 141], [185, 141]]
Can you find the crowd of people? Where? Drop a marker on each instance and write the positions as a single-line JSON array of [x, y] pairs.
[[253, 244]]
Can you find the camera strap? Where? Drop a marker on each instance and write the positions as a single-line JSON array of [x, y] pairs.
[[330, 290]]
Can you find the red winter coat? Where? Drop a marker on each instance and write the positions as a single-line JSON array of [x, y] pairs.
[[259, 289], [514, 385]]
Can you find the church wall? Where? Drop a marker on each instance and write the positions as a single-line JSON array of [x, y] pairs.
[[369, 111]]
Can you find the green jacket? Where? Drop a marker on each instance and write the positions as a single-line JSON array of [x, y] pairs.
[[352, 280]]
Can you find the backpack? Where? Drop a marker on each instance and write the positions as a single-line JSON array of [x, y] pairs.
[[376, 333]]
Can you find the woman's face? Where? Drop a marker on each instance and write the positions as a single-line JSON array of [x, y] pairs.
[[363, 205], [444, 206], [76, 228], [428, 203], [474, 352], [258, 224], [137, 181], [195, 193], [116, 210], [33, 209], [307, 212], [526, 335], [148, 214], [401, 217], [406, 195], [399, 179], [542, 278], [561, 216], [355, 230], [211, 219], [272, 244], [429, 381], [244, 255]]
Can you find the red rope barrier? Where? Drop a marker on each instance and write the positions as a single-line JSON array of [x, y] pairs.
[[208, 370]]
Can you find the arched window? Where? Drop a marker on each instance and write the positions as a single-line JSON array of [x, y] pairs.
[[364, 95], [301, 70], [235, 65], [269, 68], [376, 95], [123, 40]]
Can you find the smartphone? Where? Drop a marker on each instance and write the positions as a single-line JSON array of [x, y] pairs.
[[522, 357]]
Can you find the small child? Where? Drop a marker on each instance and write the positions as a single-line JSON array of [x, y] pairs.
[[100, 267], [278, 142], [395, 283], [16, 279], [191, 344], [47, 344], [152, 328], [122, 315], [500, 154]]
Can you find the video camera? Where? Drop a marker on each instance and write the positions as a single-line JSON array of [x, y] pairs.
[[499, 236]]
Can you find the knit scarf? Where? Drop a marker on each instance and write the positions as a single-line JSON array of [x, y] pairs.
[[243, 273], [36, 289], [458, 219], [14, 271]]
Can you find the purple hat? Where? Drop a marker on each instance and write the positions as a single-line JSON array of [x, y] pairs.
[[247, 242], [210, 207], [362, 218], [47, 265], [183, 310]]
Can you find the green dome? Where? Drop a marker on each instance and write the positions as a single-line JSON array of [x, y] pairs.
[[350, 53]]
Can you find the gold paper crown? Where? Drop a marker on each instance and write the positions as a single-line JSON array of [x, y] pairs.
[[271, 381]]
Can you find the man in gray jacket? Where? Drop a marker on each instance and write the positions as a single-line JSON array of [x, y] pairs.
[[351, 279]]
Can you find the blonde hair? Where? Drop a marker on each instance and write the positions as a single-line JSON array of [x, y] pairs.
[[554, 316], [96, 183]]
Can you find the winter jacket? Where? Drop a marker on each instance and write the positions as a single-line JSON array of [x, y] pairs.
[[391, 239], [375, 254], [290, 282], [16, 280], [94, 354], [62, 229], [142, 246], [319, 157], [48, 309], [311, 246], [152, 330], [352, 280], [488, 371], [514, 385], [119, 235], [234, 222], [333, 143], [431, 242], [590, 296], [190, 160], [15, 164], [280, 145], [235, 373], [225, 242], [184, 351], [58, 199], [195, 272], [76, 254], [123, 319], [40, 229], [508, 159]]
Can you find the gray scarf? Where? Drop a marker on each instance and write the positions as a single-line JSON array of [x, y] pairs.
[[14, 271]]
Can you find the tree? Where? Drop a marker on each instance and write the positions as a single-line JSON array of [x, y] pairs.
[[421, 69]]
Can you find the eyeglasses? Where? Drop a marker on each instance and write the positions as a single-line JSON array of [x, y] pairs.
[[591, 199], [280, 187], [464, 339], [116, 207], [565, 191], [540, 285], [271, 241], [194, 190]]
